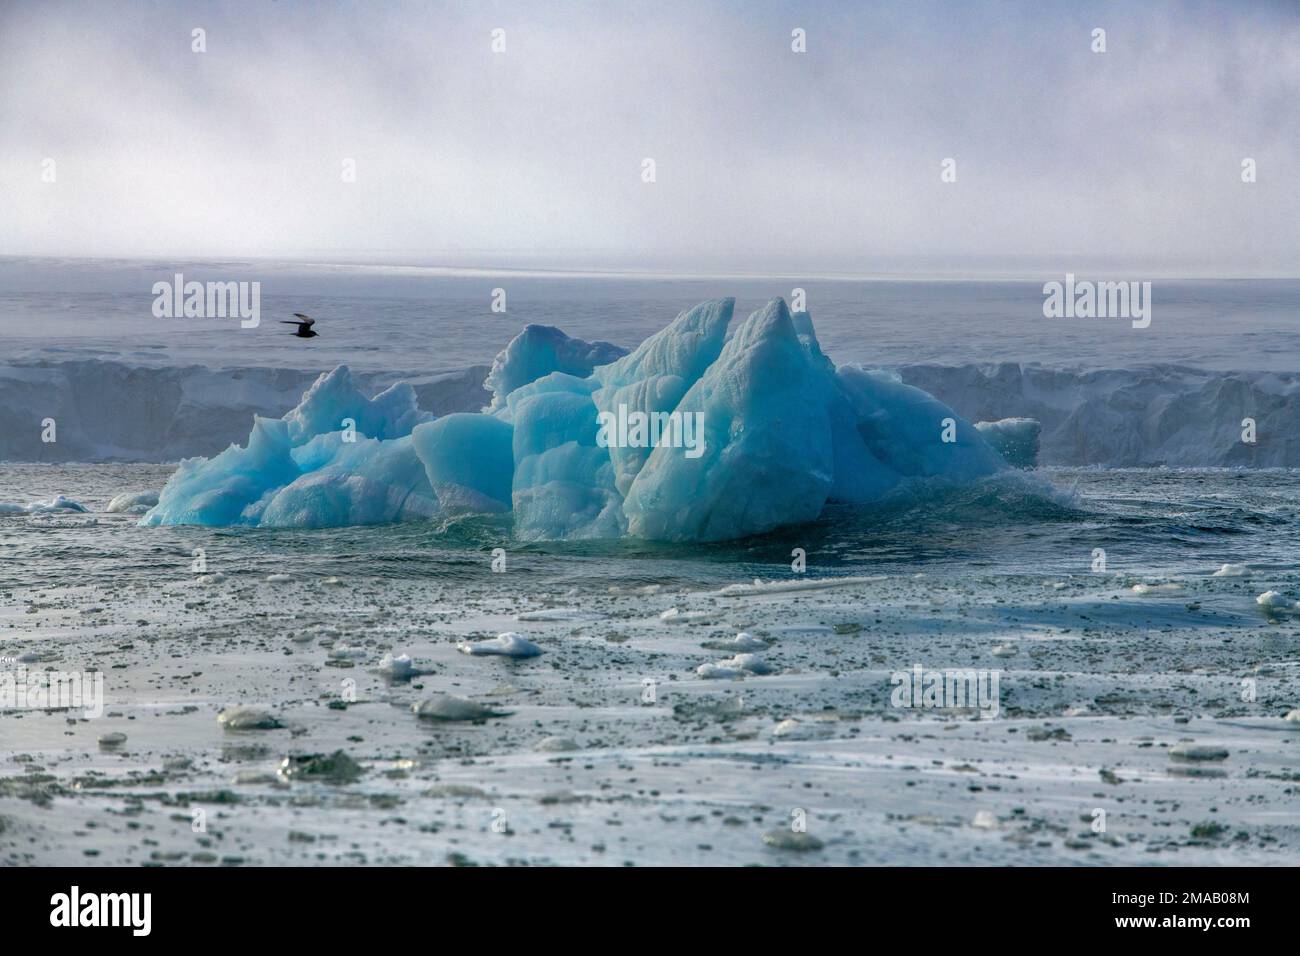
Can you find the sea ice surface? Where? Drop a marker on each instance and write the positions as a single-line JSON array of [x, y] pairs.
[[717, 438]]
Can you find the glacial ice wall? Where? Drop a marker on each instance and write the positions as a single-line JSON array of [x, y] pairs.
[[1158, 415], [693, 436]]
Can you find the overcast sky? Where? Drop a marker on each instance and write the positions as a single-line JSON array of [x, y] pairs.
[[764, 158]]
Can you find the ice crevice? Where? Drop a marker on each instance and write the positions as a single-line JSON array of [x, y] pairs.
[[733, 435]]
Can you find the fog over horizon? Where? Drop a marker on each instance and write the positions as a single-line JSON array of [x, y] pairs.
[[765, 159]]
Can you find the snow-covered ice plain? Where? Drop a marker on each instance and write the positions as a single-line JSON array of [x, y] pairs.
[[1151, 693]]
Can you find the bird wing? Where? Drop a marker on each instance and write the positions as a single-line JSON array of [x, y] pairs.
[[305, 319]]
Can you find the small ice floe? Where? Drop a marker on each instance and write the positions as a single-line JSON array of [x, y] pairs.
[[784, 838], [780, 587], [985, 820], [555, 745], [345, 653], [808, 728], [1005, 650], [1231, 571], [677, 616], [557, 614], [337, 767], [742, 665], [1276, 601], [55, 504], [279, 578], [1191, 751], [132, 502], [744, 641], [1156, 588], [247, 718], [333, 581], [1078, 711], [451, 707], [1292, 716], [400, 667], [508, 644], [109, 741], [207, 580]]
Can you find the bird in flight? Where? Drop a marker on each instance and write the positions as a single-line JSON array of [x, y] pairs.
[[304, 323]]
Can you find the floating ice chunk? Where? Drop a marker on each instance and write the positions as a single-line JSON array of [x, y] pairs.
[[451, 707], [811, 728], [396, 668], [1276, 601], [677, 616], [538, 351], [1015, 439], [1005, 650], [555, 745], [784, 838], [1190, 751], [738, 666], [1231, 571], [557, 614], [760, 587], [1141, 588], [279, 578], [743, 641], [57, 503], [247, 718], [508, 644], [134, 502], [1292, 716]]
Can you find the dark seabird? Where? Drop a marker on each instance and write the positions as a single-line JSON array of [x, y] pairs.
[[304, 323]]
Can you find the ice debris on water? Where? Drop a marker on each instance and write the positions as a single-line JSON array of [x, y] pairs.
[[1276, 601], [784, 838], [1231, 571], [693, 436], [1191, 751], [739, 666], [247, 718], [555, 745], [744, 641], [400, 667], [451, 707], [337, 767], [57, 503], [508, 644], [135, 502]]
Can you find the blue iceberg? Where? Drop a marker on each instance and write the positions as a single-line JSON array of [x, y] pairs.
[[693, 436]]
